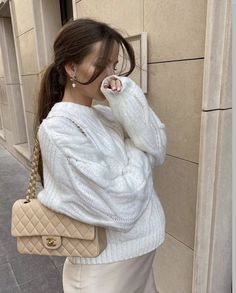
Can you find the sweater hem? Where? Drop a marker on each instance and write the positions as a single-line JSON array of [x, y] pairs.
[[115, 252]]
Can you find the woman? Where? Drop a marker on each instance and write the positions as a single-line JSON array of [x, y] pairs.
[[98, 160]]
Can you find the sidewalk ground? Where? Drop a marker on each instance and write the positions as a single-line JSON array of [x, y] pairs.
[[21, 273]]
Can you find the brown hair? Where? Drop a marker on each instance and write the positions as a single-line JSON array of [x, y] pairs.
[[75, 41]]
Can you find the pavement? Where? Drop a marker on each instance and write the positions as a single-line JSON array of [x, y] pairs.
[[21, 273]]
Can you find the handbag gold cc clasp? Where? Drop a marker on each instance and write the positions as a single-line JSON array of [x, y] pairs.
[[51, 242]]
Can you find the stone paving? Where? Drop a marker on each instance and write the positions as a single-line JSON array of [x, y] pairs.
[[21, 273]]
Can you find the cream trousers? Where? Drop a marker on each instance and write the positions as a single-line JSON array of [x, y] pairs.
[[134, 275]]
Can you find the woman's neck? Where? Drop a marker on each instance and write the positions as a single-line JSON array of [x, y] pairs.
[[74, 96]]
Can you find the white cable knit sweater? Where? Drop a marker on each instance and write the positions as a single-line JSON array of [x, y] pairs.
[[103, 177]]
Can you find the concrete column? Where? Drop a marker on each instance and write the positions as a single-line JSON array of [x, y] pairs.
[[212, 248]]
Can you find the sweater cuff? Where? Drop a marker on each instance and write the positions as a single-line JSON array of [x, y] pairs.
[[127, 86]]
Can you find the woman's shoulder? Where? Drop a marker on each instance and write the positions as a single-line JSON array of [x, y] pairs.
[[61, 131]]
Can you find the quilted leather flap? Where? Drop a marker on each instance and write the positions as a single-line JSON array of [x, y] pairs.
[[33, 218]]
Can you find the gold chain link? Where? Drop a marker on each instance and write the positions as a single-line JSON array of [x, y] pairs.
[[34, 170]]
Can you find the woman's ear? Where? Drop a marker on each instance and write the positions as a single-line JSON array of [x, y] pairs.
[[70, 68]]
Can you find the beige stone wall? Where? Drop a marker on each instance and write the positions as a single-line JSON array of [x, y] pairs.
[[17, 46], [176, 57], [28, 60], [2, 97], [26, 37], [13, 116], [213, 238]]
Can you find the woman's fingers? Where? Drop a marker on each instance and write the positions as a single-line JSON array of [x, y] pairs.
[[118, 85], [115, 84]]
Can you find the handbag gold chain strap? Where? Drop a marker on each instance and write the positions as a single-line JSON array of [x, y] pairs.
[[34, 170]]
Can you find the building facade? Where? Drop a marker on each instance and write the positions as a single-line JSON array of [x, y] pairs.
[[188, 86]]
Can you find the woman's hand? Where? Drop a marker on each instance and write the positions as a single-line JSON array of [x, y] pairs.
[[114, 84]]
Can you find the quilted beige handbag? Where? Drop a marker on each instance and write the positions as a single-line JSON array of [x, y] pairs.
[[39, 230]]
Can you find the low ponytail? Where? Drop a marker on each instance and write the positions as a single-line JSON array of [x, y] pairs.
[[51, 91]]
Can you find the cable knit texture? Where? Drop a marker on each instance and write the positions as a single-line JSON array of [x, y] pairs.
[[97, 164]]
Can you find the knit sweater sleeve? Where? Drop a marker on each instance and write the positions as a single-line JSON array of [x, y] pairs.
[[80, 182], [143, 126]]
